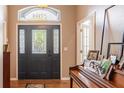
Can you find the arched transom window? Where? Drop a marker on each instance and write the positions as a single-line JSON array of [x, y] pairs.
[[37, 13]]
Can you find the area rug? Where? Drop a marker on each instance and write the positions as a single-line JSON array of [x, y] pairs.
[[32, 85]]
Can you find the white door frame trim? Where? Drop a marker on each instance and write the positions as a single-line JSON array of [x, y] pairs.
[[38, 24], [93, 13]]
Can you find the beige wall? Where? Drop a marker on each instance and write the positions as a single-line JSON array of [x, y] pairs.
[[114, 23], [68, 36]]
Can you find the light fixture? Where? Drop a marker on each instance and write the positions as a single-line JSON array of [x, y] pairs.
[[43, 6]]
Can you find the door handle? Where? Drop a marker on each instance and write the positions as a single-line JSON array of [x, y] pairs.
[[49, 53]]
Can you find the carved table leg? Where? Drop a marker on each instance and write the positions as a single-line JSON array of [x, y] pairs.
[[71, 83]]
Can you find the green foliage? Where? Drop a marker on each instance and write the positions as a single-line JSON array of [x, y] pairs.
[[105, 66]]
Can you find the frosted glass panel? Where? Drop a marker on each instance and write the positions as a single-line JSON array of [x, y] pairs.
[[85, 43], [22, 41], [56, 41], [81, 40], [35, 13], [39, 41]]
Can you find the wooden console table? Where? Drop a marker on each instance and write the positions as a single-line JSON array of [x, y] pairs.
[[6, 69], [85, 78]]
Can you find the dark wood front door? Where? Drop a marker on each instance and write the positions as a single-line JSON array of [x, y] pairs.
[[39, 52]]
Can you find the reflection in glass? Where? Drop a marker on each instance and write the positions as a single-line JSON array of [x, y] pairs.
[[85, 41], [56, 41]]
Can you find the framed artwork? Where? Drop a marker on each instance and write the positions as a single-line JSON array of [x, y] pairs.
[[93, 55]]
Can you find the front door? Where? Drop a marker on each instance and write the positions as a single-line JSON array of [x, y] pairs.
[[39, 52]]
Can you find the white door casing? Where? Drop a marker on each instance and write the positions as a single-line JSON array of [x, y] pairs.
[[92, 18]]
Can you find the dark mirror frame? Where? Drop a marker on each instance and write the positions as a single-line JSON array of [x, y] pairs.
[[103, 29], [109, 47]]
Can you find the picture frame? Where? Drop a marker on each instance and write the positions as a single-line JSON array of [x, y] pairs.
[[93, 55], [121, 64], [113, 59]]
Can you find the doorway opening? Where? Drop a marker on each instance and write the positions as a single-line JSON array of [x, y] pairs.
[[86, 37]]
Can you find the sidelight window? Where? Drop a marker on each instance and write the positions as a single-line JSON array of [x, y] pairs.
[[22, 41], [56, 41]]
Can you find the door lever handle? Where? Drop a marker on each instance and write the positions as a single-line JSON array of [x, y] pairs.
[[49, 53]]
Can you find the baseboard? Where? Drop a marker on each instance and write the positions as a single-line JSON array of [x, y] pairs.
[[65, 78], [13, 79]]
